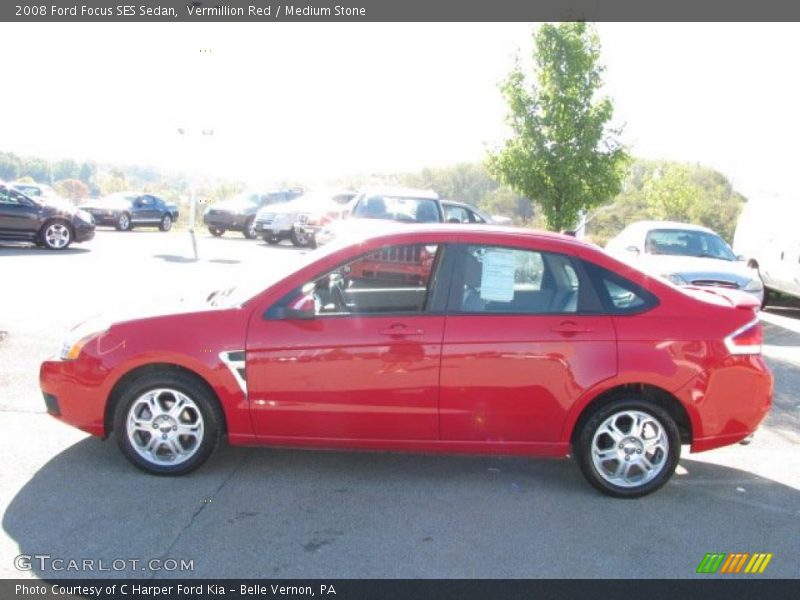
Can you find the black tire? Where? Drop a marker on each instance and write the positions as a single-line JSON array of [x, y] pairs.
[[166, 222], [56, 235], [216, 231], [302, 240], [249, 230], [768, 298], [271, 239], [620, 407], [204, 401], [124, 222]]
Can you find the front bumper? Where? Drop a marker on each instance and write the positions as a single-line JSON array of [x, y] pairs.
[[227, 221], [83, 232], [72, 395]]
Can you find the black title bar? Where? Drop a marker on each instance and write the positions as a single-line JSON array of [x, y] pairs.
[[397, 10]]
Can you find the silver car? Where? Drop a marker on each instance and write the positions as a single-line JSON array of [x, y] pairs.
[[685, 255]]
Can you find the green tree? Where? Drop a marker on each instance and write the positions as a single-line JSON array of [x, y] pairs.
[[10, 166], [38, 168], [87, 172], [562, 154], [65, 169], [663, 190]]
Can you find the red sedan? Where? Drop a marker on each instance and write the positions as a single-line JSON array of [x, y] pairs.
[[514, 342]]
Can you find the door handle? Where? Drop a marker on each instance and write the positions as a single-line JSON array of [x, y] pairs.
[[568, 327], [400, 330]]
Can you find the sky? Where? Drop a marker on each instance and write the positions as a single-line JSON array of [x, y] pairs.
[[321, 101]]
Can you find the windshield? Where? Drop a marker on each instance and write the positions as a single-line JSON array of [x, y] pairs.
[[256, 281], [684, 242], [245, 198], [396, 208], [31, 191], [121, 197]]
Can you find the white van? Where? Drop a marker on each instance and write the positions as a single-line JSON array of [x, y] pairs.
[[768, 235]]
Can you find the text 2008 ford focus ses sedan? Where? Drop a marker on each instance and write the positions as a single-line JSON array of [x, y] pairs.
[[432, 339]]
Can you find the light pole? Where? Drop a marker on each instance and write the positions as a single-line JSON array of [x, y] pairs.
[[192, 197]]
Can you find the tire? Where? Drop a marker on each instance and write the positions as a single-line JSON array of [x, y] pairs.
[[302, 240], [124, 222], [249, 230], [768, 298], [56, 235], [166, 223], [216, 231], [653, 436], [271, 239], [136, 421]]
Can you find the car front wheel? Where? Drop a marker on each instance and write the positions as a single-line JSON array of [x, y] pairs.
[[249, 230], [216, 231], [167, 423], [166, 223], [628, 448], [271, 239], [56, 235], [302, 239], [124, 222]]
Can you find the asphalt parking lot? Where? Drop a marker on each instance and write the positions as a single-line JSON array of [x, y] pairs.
[[278, 513]]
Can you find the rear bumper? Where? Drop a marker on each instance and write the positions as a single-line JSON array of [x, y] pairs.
[[70, 398], [727, 403]]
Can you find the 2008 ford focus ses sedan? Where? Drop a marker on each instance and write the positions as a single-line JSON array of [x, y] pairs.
[[431, 339]]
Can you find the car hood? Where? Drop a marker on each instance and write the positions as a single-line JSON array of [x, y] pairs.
[[693, 268]]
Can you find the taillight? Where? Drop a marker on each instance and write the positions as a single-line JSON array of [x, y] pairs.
[[746, 340]]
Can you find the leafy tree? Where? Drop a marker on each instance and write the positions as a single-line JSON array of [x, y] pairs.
[[562, 153], [65, 169], [10, 166], [87, 172], [72, 189], [37, 168], [662, 190]]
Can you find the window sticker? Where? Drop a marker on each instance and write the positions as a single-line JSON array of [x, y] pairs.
[[497, 277]]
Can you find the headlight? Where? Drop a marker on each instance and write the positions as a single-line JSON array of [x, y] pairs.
[[754, 285], [675, 278], [76, 340]]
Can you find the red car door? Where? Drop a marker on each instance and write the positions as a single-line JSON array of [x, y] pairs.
[[366, 366], [519, 346]]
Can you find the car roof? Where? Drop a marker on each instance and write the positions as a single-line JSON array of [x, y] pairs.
[[402, 192], [649, 225], [377, 229]]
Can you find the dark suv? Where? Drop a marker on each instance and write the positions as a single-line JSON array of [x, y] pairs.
[[239, 213], [124, 210], [54, 226]]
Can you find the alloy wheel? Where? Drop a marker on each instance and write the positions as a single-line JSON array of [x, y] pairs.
[[630, 448], [57, 236], [165, 427]]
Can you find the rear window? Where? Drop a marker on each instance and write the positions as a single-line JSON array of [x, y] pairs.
[[619, 295]]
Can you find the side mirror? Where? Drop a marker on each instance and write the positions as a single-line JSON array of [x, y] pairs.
[[741, 257], [633, 250], [302, 308]]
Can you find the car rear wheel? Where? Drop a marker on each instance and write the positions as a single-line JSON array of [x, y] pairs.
[[56, 235], [166, 223], [124, 222], [216, 231], [249, 230], [167, 423], [628, 448]]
